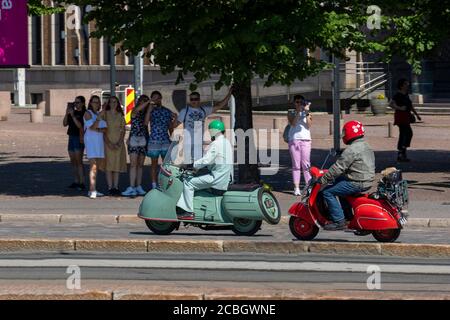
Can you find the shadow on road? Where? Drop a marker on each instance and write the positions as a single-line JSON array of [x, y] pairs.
[[51, 178]]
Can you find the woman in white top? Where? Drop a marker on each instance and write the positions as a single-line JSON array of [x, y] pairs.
[[94, 128], [300, 141]]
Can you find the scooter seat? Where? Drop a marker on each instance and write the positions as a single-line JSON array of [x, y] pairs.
[[217, 192], [358, 195], [244, 187]]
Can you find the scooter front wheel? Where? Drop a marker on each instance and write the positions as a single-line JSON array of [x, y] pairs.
[[245, 227], [389, 235], [161, 228], [302, 229]]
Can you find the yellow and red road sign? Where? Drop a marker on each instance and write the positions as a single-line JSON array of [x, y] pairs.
[[129, 103]]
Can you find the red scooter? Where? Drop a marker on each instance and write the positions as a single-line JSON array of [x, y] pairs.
[[381, 214]]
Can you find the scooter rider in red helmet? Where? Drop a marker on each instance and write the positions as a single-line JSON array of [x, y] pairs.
[[353, 172]]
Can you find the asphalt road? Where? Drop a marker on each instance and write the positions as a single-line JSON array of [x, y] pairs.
[[302, 271], [139, 231]]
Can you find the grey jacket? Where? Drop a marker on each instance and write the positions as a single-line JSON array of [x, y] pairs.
[[356, 163]]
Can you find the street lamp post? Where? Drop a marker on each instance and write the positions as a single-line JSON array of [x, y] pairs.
[[112, 55], [336, 104]]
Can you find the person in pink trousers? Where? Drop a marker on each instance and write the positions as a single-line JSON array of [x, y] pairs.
[[300, 141]]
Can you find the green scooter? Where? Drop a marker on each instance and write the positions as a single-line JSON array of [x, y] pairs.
[[242, 208]]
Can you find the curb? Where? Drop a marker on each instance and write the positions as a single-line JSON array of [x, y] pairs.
[[227, 246], [133, 219], [213, 294]]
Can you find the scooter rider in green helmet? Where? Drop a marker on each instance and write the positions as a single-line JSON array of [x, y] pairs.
[[218, 160]]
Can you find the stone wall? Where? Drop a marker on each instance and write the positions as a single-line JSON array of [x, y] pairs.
[[56, 99], [5, 105]]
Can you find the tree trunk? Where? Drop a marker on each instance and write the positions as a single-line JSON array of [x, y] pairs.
[[248, 172]]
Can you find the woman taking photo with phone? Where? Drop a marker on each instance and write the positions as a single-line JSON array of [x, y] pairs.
[[74, 121], [300, 122], [94, 127], [137, 147]]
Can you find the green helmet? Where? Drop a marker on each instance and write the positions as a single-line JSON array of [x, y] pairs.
[[217, 125], [215, 128]]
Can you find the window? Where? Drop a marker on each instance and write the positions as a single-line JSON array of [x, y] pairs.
[[85, 42], [106, 57], [36, 40], [60, 39], [130, 59]]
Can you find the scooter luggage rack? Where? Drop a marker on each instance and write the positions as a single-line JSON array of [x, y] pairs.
[[395, 192]]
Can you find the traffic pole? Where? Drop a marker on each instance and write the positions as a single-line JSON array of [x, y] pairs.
[[139, 74], [112, 58], [336, 104]]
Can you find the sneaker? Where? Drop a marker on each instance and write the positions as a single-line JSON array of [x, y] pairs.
[[73, 186], [95, 194], [154, 185], [297, 192], [335, 226], [112, 192], [140, 191], [130, 192]]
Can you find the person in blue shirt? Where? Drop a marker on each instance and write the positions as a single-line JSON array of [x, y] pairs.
[[162, 122]]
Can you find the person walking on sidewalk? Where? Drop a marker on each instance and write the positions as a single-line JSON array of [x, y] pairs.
[[74, 121], [404, 116], [94, 127], [162, 123], [137, 147], [300, 141], [116, 158], [193, 119]]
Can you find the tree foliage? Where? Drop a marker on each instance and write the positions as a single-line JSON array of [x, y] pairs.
[[39, 8], [240, 39]]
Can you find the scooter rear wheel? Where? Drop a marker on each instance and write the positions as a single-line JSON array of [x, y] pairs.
[[245, 227], [389, 235], [161, 228], [302, 229]]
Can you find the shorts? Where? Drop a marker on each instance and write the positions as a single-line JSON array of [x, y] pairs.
[[75, 145], [156, 150]]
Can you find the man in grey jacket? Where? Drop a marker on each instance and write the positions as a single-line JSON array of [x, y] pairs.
[[353, 172]]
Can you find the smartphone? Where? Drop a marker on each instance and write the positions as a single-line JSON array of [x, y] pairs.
[[70, 105]]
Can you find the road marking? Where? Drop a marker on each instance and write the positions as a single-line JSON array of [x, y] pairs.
[[228, 265]]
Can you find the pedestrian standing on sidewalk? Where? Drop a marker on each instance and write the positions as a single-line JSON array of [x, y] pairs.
[[404, 116], [193, 119], [94, 127], [115, 152], [300, 141], [162, 123], [137, 147], [74, 121]]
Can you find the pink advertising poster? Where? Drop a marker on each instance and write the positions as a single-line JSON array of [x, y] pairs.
[[13, 33]]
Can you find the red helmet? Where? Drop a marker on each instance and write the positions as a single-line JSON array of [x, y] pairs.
[[352, 130]]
